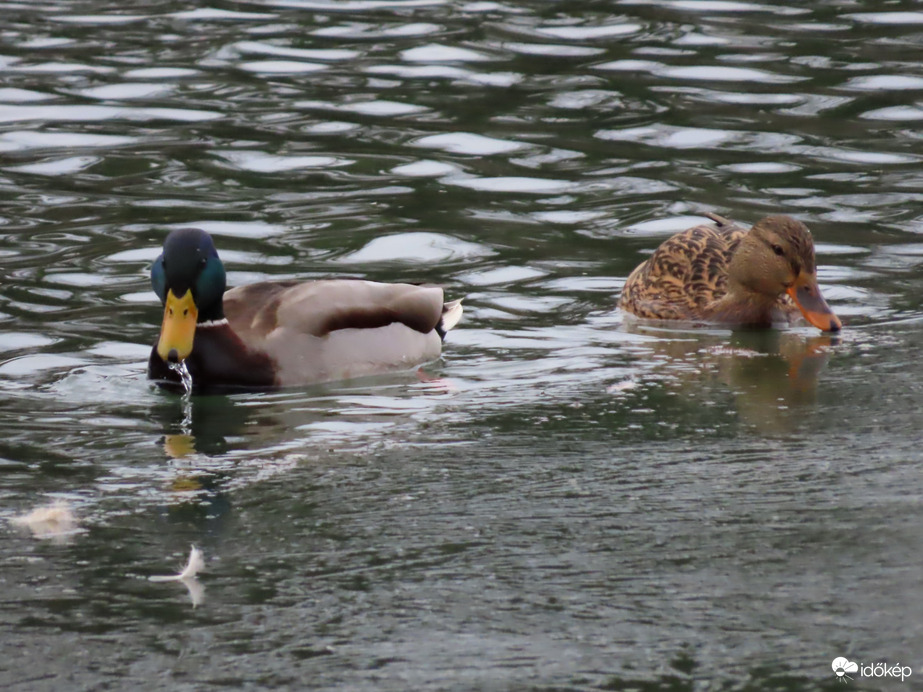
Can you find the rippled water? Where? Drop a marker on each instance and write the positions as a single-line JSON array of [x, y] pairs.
[[560, 503]]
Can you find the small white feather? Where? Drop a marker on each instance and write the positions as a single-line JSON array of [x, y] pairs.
[[451, 314], [194, 565]]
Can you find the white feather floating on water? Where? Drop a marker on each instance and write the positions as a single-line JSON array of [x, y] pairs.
[[195, 565], [56, 521]]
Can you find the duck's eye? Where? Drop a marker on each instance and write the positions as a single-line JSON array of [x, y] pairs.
[[778, 250]]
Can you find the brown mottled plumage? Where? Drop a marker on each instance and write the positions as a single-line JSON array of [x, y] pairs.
[[726, 274]]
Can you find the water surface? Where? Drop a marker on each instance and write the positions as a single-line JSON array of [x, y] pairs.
[[560, 502]]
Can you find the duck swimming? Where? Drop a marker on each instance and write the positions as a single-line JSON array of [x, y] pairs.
[[285, 333], [723, 273]]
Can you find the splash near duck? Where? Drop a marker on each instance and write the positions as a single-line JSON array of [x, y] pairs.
[[722, 273], [285, 333]]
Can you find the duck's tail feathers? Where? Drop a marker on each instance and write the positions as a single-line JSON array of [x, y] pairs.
[[451, 315], [719, 220]]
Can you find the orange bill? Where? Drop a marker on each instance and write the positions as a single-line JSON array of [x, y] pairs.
[[178, 329], [806, 294]]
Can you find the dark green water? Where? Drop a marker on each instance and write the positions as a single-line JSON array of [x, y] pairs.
[[561, 503]]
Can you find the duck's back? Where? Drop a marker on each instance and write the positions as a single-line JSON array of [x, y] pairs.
[[339, 328], [687, 272]]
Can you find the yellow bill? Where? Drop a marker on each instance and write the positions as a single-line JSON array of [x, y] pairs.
[[178, 329]]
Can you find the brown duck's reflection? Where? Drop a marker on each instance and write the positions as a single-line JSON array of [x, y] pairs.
[[794, 363], [770, 372]]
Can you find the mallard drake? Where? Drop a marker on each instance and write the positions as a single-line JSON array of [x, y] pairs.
[[285, 333], [723, 273]]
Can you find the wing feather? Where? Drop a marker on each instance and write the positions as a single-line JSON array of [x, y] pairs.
[[321, 307], [687, 272]]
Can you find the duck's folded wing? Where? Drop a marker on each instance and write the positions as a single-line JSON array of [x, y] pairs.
[[252, 310], [340, 328], [321, 307], [685, 273]]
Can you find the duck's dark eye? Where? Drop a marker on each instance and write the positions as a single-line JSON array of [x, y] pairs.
[[778, 250]]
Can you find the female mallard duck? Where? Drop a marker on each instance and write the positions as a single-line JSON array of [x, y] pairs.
[[285, 333], [725, 274]]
